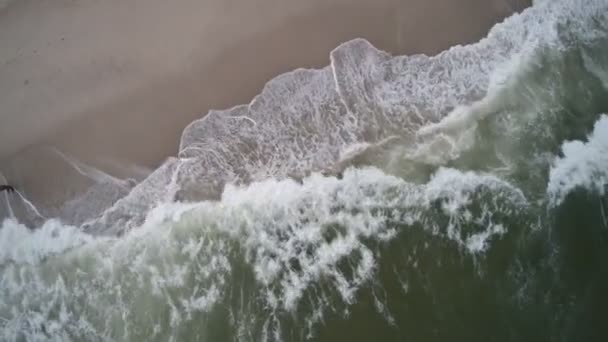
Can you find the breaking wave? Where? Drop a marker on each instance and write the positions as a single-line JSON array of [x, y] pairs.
[[409, 188]]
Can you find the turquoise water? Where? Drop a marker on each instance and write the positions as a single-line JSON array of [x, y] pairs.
[[464, 200]]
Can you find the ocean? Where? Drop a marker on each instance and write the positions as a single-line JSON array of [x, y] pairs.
[[455, 197]]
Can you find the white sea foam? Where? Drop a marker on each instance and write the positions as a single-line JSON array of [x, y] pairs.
[[537, 29], [307, 120], [293, 236], [23, 245], [583, 165]]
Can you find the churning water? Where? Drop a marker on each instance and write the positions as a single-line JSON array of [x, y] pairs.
[[458, 197]]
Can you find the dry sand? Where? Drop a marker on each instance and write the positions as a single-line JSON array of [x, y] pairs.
[[122, 78]]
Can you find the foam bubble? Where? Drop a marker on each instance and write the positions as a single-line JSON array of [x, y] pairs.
[[583, 165], [22, 245], [303, 242], [537, 30], [307, 120]]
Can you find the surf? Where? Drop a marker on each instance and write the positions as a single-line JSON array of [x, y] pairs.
[[402, 189]]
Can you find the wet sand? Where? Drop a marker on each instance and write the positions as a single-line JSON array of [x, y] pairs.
[[122, 78]]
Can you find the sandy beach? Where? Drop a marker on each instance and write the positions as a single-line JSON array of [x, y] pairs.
[[121, 79]]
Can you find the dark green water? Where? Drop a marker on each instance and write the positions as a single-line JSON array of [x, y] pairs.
[[492, 228]]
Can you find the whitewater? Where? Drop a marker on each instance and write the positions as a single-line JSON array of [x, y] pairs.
[[460, 196]]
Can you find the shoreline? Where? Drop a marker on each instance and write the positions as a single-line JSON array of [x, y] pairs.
[[107, 118]]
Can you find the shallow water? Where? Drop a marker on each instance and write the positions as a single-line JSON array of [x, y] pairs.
[[454, 197]]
